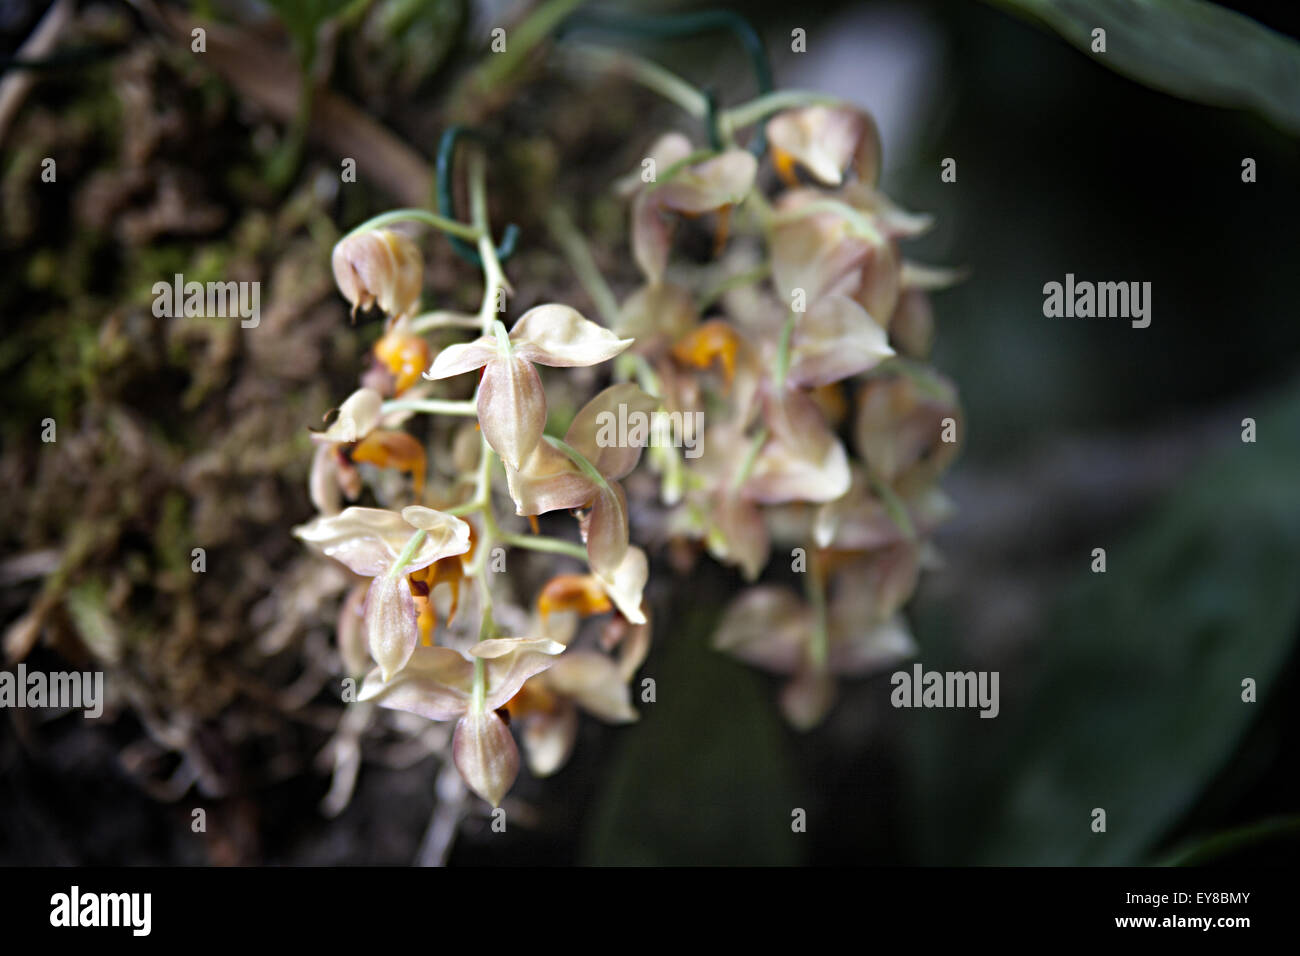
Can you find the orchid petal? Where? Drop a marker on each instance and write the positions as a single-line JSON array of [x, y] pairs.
[[357, 417], [766, 626], [485, 754], [465, 357], [559, 336], [511, 408], [596, 433], [834, 340], [436, 683], [390, 622], [593, 681], [607, 530], [549, 739]]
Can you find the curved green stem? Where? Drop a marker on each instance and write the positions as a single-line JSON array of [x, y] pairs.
[[429, 406], [575, 456], [671, 26], [403, 559], [649, 74], [783, 349], [446, 205], [858, 221], [442, 319], [759, 108], [449, 226], [751, 457], [547, 544], [578, 253]]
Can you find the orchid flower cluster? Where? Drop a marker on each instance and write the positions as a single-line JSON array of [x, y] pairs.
[[813, 326], [837, 342]]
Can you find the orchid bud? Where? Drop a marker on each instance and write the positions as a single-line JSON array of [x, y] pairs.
[[485, 754], [379, 267]]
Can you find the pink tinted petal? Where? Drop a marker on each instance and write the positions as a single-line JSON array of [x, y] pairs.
[[549, 739], [356, 418], [803, 460], [390, 618], [323, 481], [559, 336], [807, 699], [511, 408], [435, 683], [651, 236], [549, 481], [607, 531], [835, 340], [766, 626], [625, 586], [724, 180], [738, 534], [880, 282], [595, 683], [457, 359], [351, 631], [485, 754], [510, 662], [612, 428], [868, 648]]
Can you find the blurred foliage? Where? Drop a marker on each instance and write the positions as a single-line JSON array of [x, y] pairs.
[[704, 777], [1190, 48], [302, 18], [1137, 693]]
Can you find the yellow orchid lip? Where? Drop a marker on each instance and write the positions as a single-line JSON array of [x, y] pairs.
[[392, 449], [714, 339], [785, 167], [404, 355], [582, 593]]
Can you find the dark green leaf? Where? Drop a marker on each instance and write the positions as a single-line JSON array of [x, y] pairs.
[[1190, 48]]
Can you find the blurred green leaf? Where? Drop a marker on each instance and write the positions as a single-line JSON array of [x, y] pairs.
[[1220, 845], [1137, 698], [703, 778], [302, 18], [1190, 48]]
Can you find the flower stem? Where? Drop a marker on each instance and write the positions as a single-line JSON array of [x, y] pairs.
[[578, 459], [578, 253], [494, 278], [408, 552], [751, 456], [441, 319], [429, 406], [860, 223], [640, 70], [547, 544], [442, 223], [783, 349], [746, 114]]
